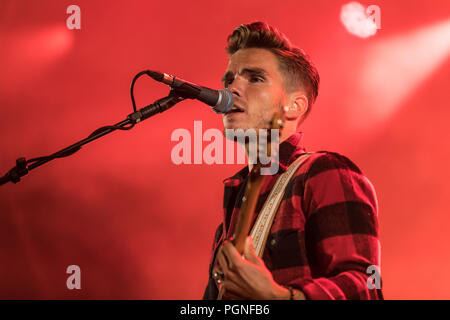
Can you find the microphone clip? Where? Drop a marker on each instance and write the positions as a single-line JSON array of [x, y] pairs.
[[158, 106], [15, 173]]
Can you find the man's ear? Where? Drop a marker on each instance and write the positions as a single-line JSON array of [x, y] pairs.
[[297, 107], [302, 104]]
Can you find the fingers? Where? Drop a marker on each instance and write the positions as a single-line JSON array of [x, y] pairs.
[[218, 276], [229, 262], [229, 257], [233, 286], [250, 253], [236, 269], [224, 264], [229, 281]]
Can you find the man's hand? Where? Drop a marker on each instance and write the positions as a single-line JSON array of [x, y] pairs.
[[247, 277]]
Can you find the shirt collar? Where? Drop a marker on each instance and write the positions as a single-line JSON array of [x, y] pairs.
[[289, 150]]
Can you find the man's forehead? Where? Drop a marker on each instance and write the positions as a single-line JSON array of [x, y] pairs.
[[252, 58]]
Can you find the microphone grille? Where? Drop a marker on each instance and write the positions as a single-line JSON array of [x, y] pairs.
[[224, 102]]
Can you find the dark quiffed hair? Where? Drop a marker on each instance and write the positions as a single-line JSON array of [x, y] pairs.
[[296, 67]]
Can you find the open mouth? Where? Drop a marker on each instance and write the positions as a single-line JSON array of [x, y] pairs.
[[235, 109]]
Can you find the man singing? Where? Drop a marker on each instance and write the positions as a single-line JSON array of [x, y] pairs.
[[324, 238]]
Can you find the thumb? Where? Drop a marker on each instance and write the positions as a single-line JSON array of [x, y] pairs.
[[249, 251]]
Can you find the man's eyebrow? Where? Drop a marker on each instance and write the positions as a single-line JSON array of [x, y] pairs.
[[257, 71]]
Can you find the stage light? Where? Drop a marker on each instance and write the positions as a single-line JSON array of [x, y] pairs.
[[359, 20], [392, 69]]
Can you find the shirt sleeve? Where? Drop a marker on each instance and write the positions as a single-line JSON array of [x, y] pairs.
[[341, 232]]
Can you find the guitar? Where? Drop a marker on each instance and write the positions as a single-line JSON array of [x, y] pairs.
[[252, 190]]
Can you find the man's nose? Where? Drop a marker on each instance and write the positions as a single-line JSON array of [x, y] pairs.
[[236, 87]]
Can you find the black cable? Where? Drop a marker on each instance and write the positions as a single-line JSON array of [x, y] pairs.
[[132, 87], [23, 166], [111, 128], [73, 150], [99, 130]]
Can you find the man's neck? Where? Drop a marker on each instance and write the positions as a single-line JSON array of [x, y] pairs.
[[283, 137]]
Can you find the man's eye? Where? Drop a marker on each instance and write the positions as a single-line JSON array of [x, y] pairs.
[[227, 82], [256, 79]]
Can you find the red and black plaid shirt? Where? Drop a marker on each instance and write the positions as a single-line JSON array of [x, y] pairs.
[[325, 233]]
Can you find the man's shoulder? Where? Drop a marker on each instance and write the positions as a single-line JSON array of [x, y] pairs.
[[325, 168], [323, 160], [327, 164]]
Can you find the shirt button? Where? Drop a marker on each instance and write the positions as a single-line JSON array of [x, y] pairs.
[[273, 242]]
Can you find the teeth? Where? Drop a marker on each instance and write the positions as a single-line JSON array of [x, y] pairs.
[[234, 109]]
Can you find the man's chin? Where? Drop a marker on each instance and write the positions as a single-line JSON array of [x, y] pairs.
[[233, 133], [234, 126]]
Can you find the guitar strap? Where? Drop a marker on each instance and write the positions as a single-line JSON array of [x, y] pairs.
[[263, 223]]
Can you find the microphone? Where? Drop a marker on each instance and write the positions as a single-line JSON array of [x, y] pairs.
[[220, 100]]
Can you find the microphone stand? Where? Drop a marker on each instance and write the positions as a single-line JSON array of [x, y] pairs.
[[23, 166]]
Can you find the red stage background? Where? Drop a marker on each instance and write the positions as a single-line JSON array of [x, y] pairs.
[[141, 227]]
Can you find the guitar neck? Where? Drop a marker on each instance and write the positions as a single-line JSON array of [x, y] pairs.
[[248, 206], [246, 212]]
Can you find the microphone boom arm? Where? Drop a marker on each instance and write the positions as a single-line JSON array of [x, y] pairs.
[[23, 166]]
